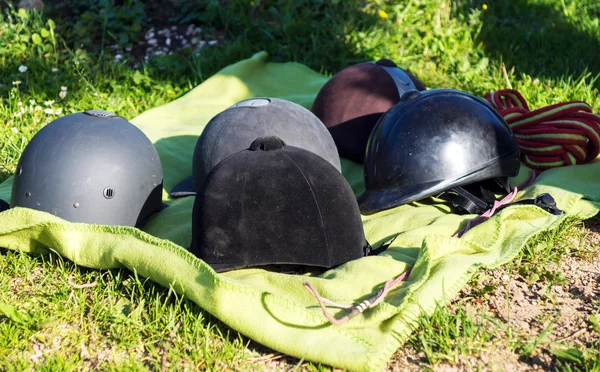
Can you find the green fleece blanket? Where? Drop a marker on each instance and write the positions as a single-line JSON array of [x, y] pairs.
[[275, 309]]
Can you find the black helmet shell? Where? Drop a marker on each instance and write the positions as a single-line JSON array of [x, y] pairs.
[[274, 204], [235, 128], [433, 141], [90, 167]]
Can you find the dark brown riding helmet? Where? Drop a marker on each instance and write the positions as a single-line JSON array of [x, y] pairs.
[[352, 101]]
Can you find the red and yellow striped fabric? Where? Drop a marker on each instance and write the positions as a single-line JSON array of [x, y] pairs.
[[557, 135]]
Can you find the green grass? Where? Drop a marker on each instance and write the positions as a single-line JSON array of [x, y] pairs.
[[549, 50]]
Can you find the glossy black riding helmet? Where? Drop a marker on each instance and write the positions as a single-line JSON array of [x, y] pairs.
[[433, 142]]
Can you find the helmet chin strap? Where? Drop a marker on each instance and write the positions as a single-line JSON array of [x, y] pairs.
[[464, 198], [461, 198]]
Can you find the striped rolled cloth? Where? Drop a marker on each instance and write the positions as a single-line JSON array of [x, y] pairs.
[[562, 134]]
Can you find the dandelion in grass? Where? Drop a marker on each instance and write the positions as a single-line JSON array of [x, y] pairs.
[[484, 6], [382, 14], [22, 68]]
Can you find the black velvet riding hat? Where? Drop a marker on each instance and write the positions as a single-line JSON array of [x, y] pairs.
[[274, 204]]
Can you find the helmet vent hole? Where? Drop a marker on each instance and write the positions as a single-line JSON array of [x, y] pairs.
[[109, 193], [27, 194], [100, 113], [19, 171]]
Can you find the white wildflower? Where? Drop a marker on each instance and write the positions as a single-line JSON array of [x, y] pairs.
[[14, 130], [49, 103], [63, 88], [18, 114], [22, 109], [32, 102], [20, 103], [49, 111], [58, 111], [62, 94], [54, 69], [17, 82], [22, 68], [38, 108], [212, 42]]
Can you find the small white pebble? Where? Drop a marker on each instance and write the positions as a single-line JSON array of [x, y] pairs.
[[505, 277], [534, 302], [152, 41]]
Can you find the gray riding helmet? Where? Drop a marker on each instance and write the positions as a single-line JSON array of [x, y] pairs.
[[235, 128], [91, 167]]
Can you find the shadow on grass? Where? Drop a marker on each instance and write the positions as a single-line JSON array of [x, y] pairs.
[[312, 33], [538, 39]]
